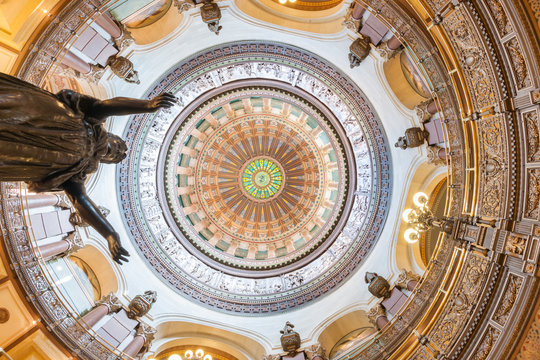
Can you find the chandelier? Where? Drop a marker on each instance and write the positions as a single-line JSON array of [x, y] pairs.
[[420, 218], [191, 355]]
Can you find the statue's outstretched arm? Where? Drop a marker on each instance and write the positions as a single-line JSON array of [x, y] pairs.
[[128, 106], [91, 214]]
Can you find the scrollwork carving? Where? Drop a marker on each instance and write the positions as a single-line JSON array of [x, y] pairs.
[[532, 133], [518, 63], [489, 339], [504, 26], [532, 206], [510, 293]]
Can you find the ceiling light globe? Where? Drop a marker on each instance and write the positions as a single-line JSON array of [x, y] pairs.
[[411, 236], [420, 199], [407, 215]]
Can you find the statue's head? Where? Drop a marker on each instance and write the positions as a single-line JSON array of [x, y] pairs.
[[116, 150]]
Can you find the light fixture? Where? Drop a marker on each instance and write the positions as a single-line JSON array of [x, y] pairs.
[[421, 219], [189, 354], [420, 199], [411, 236]]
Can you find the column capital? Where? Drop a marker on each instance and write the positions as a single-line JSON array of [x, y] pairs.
[[147, 332], [316, 351], [111, 302], [75, 242], [404, 277], [374, 313]]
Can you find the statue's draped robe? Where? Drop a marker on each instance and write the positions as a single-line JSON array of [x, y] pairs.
[[47, 139]]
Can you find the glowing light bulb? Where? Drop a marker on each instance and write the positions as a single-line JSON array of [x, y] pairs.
[[199, 353], [188, 354], [420, 199], [282, 1], [411, 236], [45, 11], [292, 1], [207, 357], [174, 357], [406, 215]]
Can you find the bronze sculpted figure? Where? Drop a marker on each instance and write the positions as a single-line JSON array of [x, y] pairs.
[[53, 141]]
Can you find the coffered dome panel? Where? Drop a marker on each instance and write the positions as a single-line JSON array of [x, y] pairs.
[[264, 187]]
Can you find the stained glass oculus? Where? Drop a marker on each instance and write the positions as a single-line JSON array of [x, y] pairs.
[[262, 178]]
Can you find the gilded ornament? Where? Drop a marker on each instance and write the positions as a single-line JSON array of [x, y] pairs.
[[141, 304], [510, 293], [515, 245], [533, 138], [123, 68], [290, 339], [359, 50], [378, 286], [533, 191], [517, 61], [4, 315]]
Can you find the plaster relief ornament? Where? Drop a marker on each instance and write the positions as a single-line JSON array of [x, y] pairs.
[[290, 339], [141, 304], [54, 141]]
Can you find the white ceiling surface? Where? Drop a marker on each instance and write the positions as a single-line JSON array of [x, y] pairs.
[[192, 36]]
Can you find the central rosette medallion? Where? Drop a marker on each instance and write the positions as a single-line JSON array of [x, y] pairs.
[[262, 178]]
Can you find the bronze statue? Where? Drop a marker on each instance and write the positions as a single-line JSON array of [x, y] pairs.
[[53, 141]]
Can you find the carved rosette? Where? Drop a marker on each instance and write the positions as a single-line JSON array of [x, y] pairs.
[[111, 302], [141, 304]]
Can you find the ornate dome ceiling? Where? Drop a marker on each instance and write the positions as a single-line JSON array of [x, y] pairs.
[[255, 178], [272, 178]]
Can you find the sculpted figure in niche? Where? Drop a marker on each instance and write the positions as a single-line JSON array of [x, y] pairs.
[[53, 141]]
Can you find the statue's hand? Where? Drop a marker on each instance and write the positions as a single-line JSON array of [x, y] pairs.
[[118, 253], [165, 100]]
